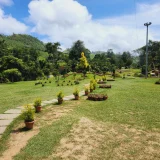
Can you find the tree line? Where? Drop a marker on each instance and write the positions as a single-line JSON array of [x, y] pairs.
[[28, 63]]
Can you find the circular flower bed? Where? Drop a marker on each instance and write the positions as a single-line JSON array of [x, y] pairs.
[[105, 86], [110, 79], [97, 97], [157, 82], [101, 82]]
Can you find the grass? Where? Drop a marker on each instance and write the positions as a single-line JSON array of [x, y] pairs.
[[132, 102], [20, 93], [36, 148]]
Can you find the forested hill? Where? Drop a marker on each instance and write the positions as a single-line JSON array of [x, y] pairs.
[[23, 40]]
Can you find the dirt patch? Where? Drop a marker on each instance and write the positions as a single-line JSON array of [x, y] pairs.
[[19, 137], [92, 140], [84, 138], [18, 140]]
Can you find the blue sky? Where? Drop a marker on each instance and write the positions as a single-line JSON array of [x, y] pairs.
[[101, 24]]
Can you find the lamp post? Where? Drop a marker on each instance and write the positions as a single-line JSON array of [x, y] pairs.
[[147, 24]]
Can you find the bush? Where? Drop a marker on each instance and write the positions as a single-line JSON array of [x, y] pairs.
[[13, 74], [117, 74]]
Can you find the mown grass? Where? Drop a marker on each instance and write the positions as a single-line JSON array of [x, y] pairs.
[[20, 93], [133, 102]]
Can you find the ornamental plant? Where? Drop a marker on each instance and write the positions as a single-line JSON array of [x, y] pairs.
[[91, 86], [94, 83], [86, 88], [37, 102], [28, 113], [83, 61], [60, 95], [76, 92]]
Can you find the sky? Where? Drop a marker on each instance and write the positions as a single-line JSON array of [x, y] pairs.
[[101, 24]]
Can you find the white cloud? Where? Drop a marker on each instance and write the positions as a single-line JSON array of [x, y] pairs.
[[67, 21], [9, 25], [6, 2]]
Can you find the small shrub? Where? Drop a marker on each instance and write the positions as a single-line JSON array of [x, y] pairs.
[[117, 74], [76, 92], [76, 82], [60, 95], [86, 88], [91, 87], [37, 102], [28, 113], [104, 78]]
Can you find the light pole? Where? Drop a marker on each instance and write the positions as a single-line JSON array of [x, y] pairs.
[[147, 24]]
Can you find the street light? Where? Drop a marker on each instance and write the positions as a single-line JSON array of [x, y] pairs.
[[147, 24]]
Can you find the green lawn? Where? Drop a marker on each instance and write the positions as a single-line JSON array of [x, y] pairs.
[[20, 93], [126, 126]]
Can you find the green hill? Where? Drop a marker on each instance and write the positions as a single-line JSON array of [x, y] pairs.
[[23, 40]]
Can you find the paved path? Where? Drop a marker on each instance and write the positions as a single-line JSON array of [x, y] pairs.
[[7, 117]]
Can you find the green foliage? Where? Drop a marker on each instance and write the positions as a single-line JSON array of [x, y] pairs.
[[83, 64], [60, 95], [75, 53], [3, 48], [76, 92], [12, 74], [37, 102], [91, 86], [23, 40], [86, 88], [28, 113], [153, 55]]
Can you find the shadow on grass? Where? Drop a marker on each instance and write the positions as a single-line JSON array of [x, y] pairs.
[[23, 129]]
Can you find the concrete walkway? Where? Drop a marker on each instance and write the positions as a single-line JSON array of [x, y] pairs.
[[7, 117]]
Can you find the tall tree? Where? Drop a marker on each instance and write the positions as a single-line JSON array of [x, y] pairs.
[[76, 50]]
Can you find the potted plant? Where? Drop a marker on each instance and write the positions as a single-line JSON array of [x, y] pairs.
[[94, 85], [37, 105], [86, 90], [28, 115], [91, 87], [76, 94], [60, 96]]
